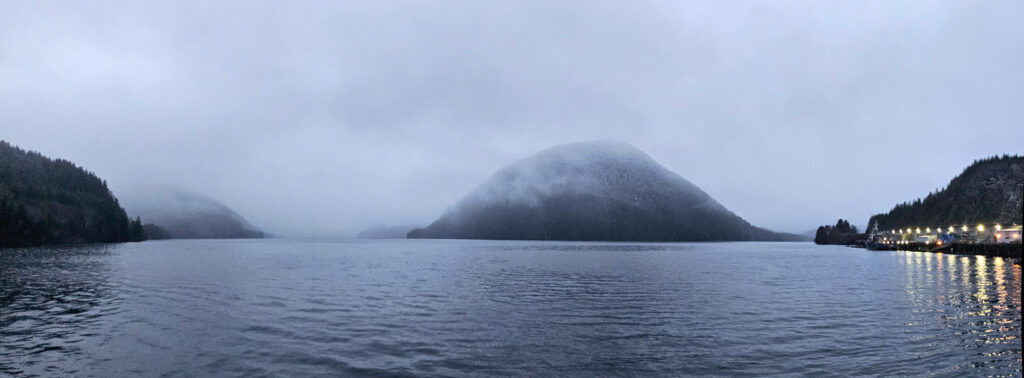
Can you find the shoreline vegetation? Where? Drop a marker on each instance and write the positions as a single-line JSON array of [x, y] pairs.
[[840, 234], [979, 212], [53, 201]]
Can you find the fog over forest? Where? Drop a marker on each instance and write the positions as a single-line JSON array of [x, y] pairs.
[[323, 118]]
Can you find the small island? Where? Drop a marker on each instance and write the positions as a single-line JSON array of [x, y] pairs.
[[841, 234]]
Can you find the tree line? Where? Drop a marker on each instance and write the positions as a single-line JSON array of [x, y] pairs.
[[842, 233]]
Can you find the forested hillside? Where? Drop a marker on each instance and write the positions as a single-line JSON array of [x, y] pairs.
[[988, 191], [47, 201]]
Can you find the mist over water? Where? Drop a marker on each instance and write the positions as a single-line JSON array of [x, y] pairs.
[[443, 307]]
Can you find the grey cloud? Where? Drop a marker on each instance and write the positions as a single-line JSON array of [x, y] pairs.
[[325, 117]]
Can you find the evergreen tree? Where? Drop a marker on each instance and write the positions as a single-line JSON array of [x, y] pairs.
[[136, 232], [821, 236]]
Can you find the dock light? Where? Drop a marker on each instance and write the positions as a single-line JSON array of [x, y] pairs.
[[901, 230], [919, 230], [951, 229], [999, 227], [981, 227], [928, 230], [999, 235], [964, 228], [892, 231]]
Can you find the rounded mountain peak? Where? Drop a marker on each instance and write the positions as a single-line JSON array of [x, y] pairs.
[[597, 190], [605, 147], [608, 169]]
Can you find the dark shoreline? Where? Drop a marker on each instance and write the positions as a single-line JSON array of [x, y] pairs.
[[995, 250]]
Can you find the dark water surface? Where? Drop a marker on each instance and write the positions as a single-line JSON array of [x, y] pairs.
[[422, 307]]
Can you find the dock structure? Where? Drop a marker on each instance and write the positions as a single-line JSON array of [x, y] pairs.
[[1002, 240], [1008, 250]]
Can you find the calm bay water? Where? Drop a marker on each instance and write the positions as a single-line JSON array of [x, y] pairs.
[[436, 307]]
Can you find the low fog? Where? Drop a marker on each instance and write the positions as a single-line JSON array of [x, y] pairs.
[[323, 118], [606, 169]]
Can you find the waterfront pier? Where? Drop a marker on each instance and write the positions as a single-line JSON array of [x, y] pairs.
[[1002, 240]]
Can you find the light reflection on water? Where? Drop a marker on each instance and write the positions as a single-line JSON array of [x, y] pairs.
[[286, 308], [986, 314]]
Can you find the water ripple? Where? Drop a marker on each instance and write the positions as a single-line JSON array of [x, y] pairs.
[[456, 308]]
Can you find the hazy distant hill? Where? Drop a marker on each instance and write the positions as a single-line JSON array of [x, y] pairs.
[[989, 191], [190, 216], [46, 201], [591, 191], [385, 232]]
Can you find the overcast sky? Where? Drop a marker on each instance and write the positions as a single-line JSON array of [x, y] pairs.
[[322, 118]]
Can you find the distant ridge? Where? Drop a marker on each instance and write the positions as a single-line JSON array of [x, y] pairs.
[[990, 190], [601, 191], [185, 215]]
